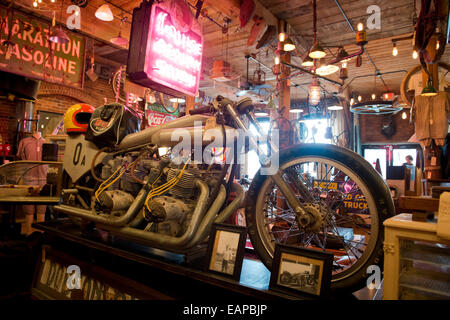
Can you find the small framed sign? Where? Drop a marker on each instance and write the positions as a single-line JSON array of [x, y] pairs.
[[226, 250], [303, 271]]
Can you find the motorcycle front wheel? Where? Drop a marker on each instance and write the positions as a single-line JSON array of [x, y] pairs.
[[347, 198]]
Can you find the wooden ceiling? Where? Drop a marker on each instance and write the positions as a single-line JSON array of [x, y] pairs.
[[332, 30]]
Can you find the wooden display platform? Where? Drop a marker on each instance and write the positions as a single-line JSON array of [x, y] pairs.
[[119, 266]]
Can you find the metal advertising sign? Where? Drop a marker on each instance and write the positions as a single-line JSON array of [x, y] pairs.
[[25, 50], [354, 200], [59, 276], [156, 115]]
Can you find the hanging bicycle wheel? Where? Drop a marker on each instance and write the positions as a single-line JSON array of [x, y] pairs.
[[375, 108]]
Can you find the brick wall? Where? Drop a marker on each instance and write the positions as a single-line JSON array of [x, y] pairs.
[[8, 122], [54, 98], [371, 129]]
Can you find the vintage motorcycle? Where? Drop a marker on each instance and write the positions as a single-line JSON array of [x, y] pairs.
[[319, 196]]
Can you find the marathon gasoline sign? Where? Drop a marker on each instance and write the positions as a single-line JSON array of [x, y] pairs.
[[25, 50]]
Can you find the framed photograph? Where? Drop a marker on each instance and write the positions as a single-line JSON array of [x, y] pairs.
[[226, 250], [302, 271]]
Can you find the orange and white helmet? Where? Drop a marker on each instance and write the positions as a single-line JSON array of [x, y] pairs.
[[77, 117]]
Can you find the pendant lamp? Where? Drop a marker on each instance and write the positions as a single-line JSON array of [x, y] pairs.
[[104, 13]]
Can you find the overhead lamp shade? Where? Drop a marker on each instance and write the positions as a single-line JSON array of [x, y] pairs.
[[119, 40], [429, 90], [335, 107], [317, 51], [342, 55], [261, 113], [58, 36], [104, 13], [288, 45], [296, 110], [327, 69], [308, 62], [178, 100]]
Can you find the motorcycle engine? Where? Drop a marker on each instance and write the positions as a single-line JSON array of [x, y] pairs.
[[170, 213]]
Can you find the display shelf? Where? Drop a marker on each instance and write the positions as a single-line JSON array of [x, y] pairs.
[[169, 273], [424, 283], [426, 254], [416, 260]]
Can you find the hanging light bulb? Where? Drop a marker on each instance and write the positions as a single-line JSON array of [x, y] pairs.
[[404, 115], [314, 92], [373, 96], [359, 98], [414, 54], [282, 36], [361, 35], [394, 49], [352, 101], [344, 64], [35, 4], [39, 1], [104, 13], [277, 60], [52, 1], [437, 45]]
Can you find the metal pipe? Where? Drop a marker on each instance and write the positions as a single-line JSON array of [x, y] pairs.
[[262, 64], [365, 50], [69, 191], [311, 73], [120, 8], [163, 241], [112, 221], [144, 137], [234, 205], [360, 52], [371, 75], [84, 188], [212, 216], [207, 221], [345, 16]]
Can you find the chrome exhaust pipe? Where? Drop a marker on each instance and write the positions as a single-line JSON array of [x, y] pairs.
[[165, 242], [212, 217], [134, 208]]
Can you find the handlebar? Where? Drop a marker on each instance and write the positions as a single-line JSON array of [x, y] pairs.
[[201, 110]]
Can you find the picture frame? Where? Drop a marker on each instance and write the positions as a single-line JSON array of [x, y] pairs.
[[226, 250], [302, 271]]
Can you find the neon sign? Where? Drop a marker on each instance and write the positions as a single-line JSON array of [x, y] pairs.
[[173, 58]]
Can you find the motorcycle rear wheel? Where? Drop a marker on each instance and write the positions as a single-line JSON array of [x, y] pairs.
[[268, 223]]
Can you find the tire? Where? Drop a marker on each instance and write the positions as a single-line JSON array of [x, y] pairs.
[[376, 192]]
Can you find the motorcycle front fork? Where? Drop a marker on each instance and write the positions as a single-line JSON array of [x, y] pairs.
[[303, 218]]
